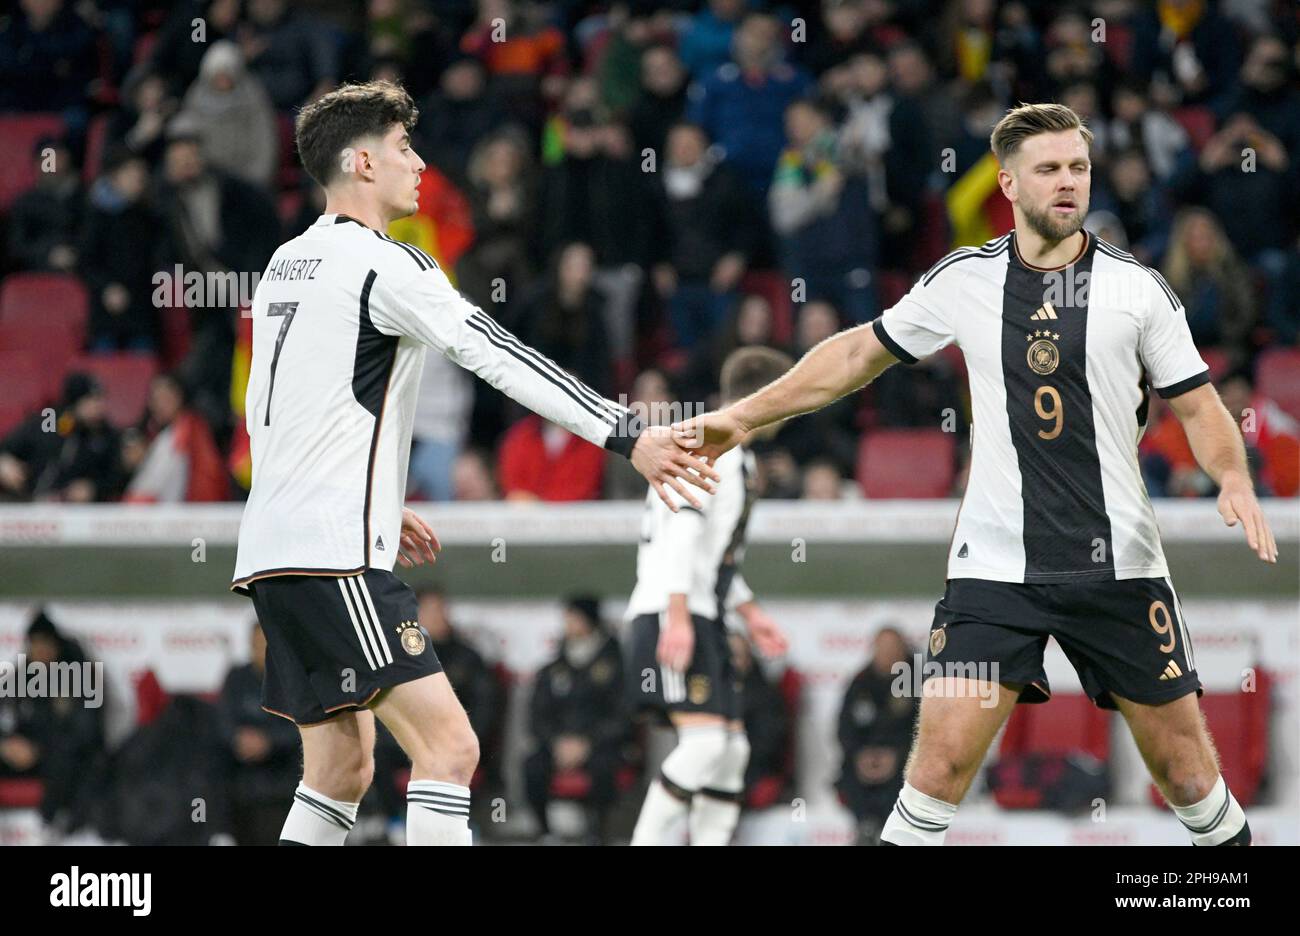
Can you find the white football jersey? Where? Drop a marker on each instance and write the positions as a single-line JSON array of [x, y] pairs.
[[697, 553], [1059, 363], [341, 321]]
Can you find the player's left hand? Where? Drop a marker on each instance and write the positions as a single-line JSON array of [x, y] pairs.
[[1237, 502], [766, 633], [419, 542]]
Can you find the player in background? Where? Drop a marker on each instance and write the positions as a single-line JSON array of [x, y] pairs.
[[1056, 535], [679, 661], [342, 318]]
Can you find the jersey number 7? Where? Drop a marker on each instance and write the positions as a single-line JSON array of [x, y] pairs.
[[286, 310]]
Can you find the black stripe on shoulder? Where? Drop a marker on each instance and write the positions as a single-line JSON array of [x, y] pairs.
[[991, 249], [406, 248], [1116, 254]]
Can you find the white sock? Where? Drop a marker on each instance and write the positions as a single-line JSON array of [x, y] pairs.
[[715, 809], [315, 819], [1216, 818], [685, 770], [437, 813], [917, 819]]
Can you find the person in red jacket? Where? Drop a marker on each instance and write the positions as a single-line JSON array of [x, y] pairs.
[[539, 460]]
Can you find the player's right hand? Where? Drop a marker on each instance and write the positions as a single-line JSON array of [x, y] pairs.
[[676, 647], [1237, 501], [711, 434], [665, 464]]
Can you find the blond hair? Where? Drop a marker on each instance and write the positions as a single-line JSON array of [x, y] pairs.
[[1027, 120]]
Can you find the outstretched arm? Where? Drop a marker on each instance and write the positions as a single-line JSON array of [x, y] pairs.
[[838, 366], [1216, 443]]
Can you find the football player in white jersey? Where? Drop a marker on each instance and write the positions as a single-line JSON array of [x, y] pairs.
[[342, 318], [678, 658], [1056, 535]]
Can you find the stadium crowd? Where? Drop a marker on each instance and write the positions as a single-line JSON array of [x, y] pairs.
[[635, 188]]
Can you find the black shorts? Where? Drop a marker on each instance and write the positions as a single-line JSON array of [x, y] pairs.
[[1125, 638], [334, 642], [709, 685]]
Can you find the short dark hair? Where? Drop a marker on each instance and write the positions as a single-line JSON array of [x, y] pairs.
[[752, 368], [327, 126]]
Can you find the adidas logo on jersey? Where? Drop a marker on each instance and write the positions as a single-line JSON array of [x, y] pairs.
[[963, 552], [1045, 312], [379, 542], [1172, 671]]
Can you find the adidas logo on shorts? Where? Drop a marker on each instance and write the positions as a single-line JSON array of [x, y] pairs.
[[1172, 671]]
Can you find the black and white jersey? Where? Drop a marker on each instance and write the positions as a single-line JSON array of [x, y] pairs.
[[1060, 362], [342, 318], [697, 553]]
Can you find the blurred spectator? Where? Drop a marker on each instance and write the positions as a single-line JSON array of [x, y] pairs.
[[709, 236], [263, 750], [47, 57], [1272, 437], [455, 118], [750, 324], [182, 463], [706, 42], [289, 52], [662, 99], [1137, 125], [576, 716], [238, 132], [885, 142], [539, 460], [1214, 286], [1139, 205], [58, 739], [875, 732], [598, 195], [140, 123], [822, 480], [215, 224], [440, 428], [767, 721], [822, 217], [1187, 45], [912, 76], [119, 251], [524, 54], [844, 35], [562, 318], [73, 454], [472, 477], [741, 104], [45, 221], [176, 55], [503, 197]]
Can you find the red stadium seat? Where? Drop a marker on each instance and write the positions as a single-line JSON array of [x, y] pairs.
[[908, 463], [45, 298], [1277, 376], [50, 346], [21, 793], [19, 134], [25, 381], [1198, 121], [1068, 724], [10, 417], [1238, 721], [1217, 360], [175, 323], [125, 377]]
